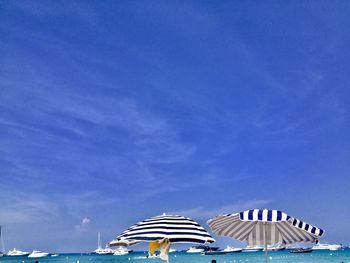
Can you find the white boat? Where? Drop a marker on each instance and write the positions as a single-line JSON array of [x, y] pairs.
[[17, 253], [104, 251], [171, 250], [120, 251], [292, 247], [335, 247], [100, 250], [195, 250], [253, 249], [38, 254], [276, 247], [332, 247], [229, 249], [54, 255]]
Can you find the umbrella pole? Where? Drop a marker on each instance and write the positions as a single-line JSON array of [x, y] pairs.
[[265, 243]]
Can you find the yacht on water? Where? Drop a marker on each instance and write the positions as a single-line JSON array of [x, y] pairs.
[[17, 253], [229, 249], [253, 249], [104, 251], [38, 254], [301, 250], [122, 246], [195, 249], [100, 250], [276, 247], [201, 249], [120, 251], [332, 247]]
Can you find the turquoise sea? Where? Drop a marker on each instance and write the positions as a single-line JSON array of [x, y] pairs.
[[139, 257]]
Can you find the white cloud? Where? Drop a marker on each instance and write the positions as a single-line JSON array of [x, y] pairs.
[[83, 225], [85, 221]]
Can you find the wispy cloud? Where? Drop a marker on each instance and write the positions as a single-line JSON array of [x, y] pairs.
[[203, 213], [138, 134], [83, 226], [79, 10], [24, 208], [78, 204]]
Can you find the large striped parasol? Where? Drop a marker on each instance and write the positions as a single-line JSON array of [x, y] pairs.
[[177, 229], [264, 227]]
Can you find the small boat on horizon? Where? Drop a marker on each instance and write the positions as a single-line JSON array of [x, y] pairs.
[[17, 253], [201, 248], [301, 250], [38, 254], [277, 247], [121, 251], [253, 249], [196, 249], [100, 250], [217, 252], [331, 247], [212, 251], [104, 251], [229, 249]]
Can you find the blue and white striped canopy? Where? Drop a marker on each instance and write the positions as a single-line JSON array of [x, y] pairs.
[[257, 226], [177, 228]]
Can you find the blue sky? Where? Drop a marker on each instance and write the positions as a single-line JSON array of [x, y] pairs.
[[115, 111]]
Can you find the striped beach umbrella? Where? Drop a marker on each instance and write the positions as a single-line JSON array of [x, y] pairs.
[[177, 229], [264, 227]]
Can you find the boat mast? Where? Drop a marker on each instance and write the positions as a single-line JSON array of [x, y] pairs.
[[99, 240], [2, 241]]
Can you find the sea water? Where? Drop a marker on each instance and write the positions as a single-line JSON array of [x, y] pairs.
[[181, 257]]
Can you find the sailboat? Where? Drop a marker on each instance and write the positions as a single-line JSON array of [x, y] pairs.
[[2, 251], [100, 250]]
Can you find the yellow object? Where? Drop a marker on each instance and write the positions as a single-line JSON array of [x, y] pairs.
[[154, 245], [163, 245]]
